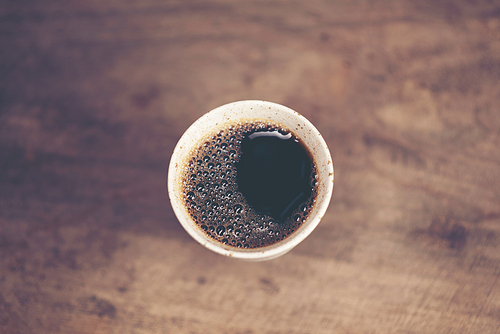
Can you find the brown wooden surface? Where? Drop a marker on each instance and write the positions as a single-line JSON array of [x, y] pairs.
[[95, 94]]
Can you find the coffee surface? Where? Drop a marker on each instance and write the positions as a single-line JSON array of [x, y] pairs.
[[250, 184]]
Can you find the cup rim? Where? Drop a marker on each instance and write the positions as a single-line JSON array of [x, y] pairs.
[[226, 114]]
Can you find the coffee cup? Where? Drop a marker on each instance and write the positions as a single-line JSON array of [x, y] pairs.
[[189, 184]]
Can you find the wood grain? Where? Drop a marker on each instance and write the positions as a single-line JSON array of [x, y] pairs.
[[94, 96]]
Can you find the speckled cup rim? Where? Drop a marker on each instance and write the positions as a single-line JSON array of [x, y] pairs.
[[243, 111]]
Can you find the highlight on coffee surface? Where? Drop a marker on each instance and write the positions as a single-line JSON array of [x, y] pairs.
[[250, 184]]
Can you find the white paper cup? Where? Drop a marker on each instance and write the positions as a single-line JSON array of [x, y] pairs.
[[242, 111]]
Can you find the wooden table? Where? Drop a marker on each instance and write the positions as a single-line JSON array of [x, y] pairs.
[[95, 94]]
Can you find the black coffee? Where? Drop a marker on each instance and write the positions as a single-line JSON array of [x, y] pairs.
[[251, 184], [274, 173]]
